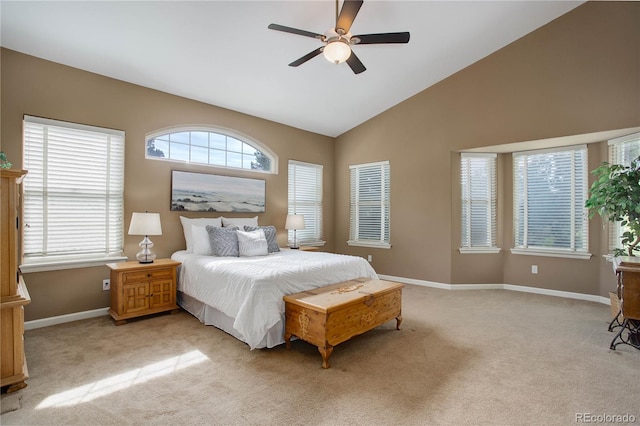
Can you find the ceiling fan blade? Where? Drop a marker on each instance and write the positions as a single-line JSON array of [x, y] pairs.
[[306, 57], [382, 38], [356, 66], [295, 31], [348, 13]]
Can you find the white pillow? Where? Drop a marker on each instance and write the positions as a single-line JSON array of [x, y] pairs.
[[252, 243], [200, 240], [186, 227], [240, 222]]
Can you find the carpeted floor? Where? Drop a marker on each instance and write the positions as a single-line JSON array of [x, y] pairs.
[[490, 357]]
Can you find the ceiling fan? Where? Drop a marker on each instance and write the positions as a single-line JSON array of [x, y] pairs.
[[338, 41]]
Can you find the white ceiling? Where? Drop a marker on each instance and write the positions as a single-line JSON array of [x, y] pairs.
[[221, 52]]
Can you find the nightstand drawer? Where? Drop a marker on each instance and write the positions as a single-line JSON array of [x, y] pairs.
[[138, 276]]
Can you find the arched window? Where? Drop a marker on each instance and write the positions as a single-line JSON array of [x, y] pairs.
[[211, 146]]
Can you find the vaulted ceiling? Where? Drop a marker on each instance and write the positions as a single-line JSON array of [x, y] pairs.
[[221, 52]]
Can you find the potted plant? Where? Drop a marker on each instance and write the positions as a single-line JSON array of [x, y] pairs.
[[4, 163], [615, 196]]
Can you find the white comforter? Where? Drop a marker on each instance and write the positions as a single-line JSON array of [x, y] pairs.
[[250, 289]]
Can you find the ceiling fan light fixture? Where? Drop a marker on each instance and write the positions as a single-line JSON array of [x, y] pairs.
[[337, 51]]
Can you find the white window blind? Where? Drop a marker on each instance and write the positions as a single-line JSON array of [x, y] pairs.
[[305, 198], [621, 151], [478, 183], [370, 205], [73, 192], [550, 189]]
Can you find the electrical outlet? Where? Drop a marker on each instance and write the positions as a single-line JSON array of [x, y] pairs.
[[534, 269], [370, 258], [106, 284]]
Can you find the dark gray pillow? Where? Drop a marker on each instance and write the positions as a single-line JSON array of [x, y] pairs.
[[224, 241], [270, 233]]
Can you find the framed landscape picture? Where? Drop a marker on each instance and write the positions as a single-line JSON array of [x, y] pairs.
[[201, 192]]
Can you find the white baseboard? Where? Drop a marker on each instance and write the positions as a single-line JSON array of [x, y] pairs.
[[46, 322], [511, 287], [61, 319]]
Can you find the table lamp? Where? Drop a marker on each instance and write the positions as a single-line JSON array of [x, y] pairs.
[[294, 222], [145, 224]]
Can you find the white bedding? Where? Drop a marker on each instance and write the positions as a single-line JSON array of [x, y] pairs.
[[250, 289]]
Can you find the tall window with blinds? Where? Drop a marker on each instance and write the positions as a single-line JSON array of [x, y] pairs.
[[478, 185], [305, 198], [73, 193], [550, 189], [621, 151], [370, 205]]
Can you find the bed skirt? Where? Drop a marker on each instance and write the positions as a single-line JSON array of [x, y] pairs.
[[211, 316]]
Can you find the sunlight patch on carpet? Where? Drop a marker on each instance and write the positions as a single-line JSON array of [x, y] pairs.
[[122, 381]]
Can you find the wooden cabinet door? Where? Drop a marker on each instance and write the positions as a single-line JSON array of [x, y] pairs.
[[135, 297], [161, 293]]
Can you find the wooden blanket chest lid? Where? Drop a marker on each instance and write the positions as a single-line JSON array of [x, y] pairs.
[[336, 296]]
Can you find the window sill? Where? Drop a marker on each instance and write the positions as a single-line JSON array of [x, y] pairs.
[[58, 265], [552, 253], [479, 250], [369, 244]]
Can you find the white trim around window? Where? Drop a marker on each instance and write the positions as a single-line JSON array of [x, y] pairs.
[[73, 195], [370, 205], [622, 151], [550, 189], [478, 185], [305, 198], [211, 146]]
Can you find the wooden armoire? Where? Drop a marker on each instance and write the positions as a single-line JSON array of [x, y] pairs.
[[14, 293]]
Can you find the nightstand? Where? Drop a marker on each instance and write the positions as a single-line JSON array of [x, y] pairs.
[[302, 248], [139, 289]]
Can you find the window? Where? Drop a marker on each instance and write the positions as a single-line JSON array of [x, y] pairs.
[[478, 181], [73, 194], [210, 146], [370, 205], [305, 198], [550, 189], [621, 151]]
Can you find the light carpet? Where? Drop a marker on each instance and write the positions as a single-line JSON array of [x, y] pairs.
[[489, 357]]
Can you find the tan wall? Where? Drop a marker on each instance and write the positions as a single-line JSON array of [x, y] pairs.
[[579, 74], [41, 88]]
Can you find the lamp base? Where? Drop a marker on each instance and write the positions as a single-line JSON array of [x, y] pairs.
[[146, 255]]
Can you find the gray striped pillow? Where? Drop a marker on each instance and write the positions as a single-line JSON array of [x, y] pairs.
[[224, 241]]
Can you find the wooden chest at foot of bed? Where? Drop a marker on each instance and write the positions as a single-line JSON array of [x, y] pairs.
[[328, 316]]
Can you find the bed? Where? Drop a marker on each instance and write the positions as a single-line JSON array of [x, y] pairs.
[[243, 295]]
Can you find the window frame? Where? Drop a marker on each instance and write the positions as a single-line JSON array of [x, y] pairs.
[[35, 193], [217, 130], [466, 199], [296, 204], [384, 202], [615, 229], [554, 251]]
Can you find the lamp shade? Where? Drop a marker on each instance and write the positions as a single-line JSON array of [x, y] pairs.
[[294, 221], [145, 224]]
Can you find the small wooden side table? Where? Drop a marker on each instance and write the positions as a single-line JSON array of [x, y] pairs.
[[139, 289]]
